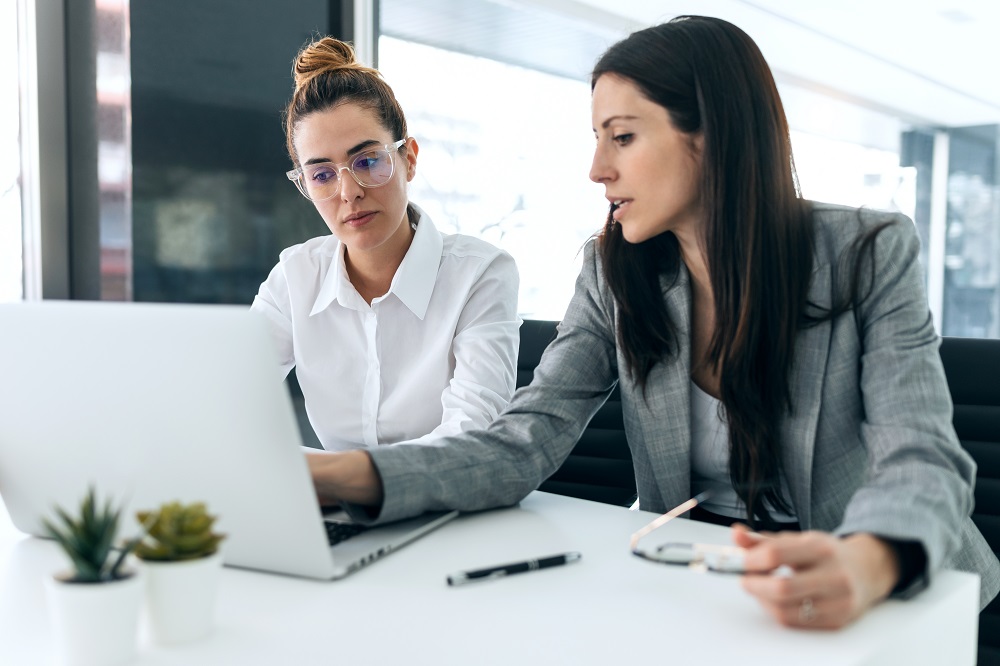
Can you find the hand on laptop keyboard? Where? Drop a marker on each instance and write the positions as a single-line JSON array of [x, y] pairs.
[[337, 532]]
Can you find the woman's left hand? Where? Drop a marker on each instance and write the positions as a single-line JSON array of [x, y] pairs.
[[827, 581]]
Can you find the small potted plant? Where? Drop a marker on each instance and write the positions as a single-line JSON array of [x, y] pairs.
[[181, 558], [95, 606]]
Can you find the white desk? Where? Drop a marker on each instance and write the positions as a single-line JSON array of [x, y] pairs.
[[609, 608]]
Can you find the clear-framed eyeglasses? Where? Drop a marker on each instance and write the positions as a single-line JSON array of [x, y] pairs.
[[698, 556], [372, 167]]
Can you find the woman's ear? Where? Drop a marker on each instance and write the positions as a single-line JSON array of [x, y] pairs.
[[697, 142], [411, 158]]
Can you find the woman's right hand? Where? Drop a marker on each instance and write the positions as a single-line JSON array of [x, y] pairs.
[[345, 476], [832, 580]]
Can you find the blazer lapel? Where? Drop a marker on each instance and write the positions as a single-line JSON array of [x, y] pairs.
[[665, 413], [798, 432]]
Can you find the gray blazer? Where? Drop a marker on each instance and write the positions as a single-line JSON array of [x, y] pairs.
[[869, 445]]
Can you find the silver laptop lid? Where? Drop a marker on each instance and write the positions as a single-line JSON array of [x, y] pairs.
[[151, 403]]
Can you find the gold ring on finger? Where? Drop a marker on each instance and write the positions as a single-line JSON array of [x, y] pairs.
[[807, 612]]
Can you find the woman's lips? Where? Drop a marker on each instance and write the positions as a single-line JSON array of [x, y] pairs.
[[620, 208], [359, 219]]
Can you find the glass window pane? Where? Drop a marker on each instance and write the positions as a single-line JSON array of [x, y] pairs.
[[490, 167], [211, 205], [11, 266], [972, 244], [114, 163]]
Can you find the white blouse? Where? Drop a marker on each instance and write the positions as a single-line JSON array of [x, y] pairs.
[[434, 356]]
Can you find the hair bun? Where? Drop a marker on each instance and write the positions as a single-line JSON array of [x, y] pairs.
[[325, 56]]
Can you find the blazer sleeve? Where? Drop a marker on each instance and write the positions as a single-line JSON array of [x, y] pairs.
[[500, 465], [920, 481]]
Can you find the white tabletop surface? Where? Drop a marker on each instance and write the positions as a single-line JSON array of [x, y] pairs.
[[608, 608]]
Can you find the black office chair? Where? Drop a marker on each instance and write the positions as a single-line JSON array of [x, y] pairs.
[[600, 466], [973, 370], [309, 437]]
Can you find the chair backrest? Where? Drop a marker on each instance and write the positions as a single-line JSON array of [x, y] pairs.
[[600, 466], [972, 366]]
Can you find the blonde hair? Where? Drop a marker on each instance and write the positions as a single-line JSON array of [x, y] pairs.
[[327, 74]]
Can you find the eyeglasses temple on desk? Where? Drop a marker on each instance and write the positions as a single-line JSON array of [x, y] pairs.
[[665, 518]]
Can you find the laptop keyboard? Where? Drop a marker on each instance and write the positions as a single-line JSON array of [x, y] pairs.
[[337, 532]]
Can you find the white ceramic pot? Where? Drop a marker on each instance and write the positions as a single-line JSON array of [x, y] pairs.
[[180, 598], [94, 624]]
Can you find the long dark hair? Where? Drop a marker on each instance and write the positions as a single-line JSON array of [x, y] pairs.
[[757, 235]]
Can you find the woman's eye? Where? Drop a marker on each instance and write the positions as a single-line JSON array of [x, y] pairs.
[[367, 162], [324, 175], [622, 139]]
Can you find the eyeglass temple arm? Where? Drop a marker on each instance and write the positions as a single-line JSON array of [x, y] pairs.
[[664, 519]]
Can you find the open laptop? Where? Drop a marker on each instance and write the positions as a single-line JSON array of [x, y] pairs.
[[153, 402]]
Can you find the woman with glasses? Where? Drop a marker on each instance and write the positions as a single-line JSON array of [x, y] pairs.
[[396, 331], [775, 356]]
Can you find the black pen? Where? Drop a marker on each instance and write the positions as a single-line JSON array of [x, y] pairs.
[[513, 568]]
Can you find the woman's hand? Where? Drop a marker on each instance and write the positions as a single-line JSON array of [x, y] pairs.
[[347, 476], [830, 581]]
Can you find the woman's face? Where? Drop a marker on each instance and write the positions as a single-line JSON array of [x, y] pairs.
[[364, 219], [650, 170]]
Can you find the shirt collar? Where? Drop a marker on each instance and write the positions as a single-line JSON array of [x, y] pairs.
[[413, 282]]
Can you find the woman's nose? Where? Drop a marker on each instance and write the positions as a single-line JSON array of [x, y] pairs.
[[349, 188], [600, 172]]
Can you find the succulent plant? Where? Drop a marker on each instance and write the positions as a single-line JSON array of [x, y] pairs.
[[89, 538], [177, 532]]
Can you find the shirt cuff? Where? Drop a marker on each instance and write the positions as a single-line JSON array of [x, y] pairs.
[[912, 568]]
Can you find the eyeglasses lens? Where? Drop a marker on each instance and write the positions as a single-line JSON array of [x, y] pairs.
[[371, 169], [321, 181]]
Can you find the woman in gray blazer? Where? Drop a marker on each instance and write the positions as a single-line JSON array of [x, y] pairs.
[[777, 352]]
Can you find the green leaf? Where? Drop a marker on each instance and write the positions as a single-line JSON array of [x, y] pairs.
[[87, 538], [178, 532]]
